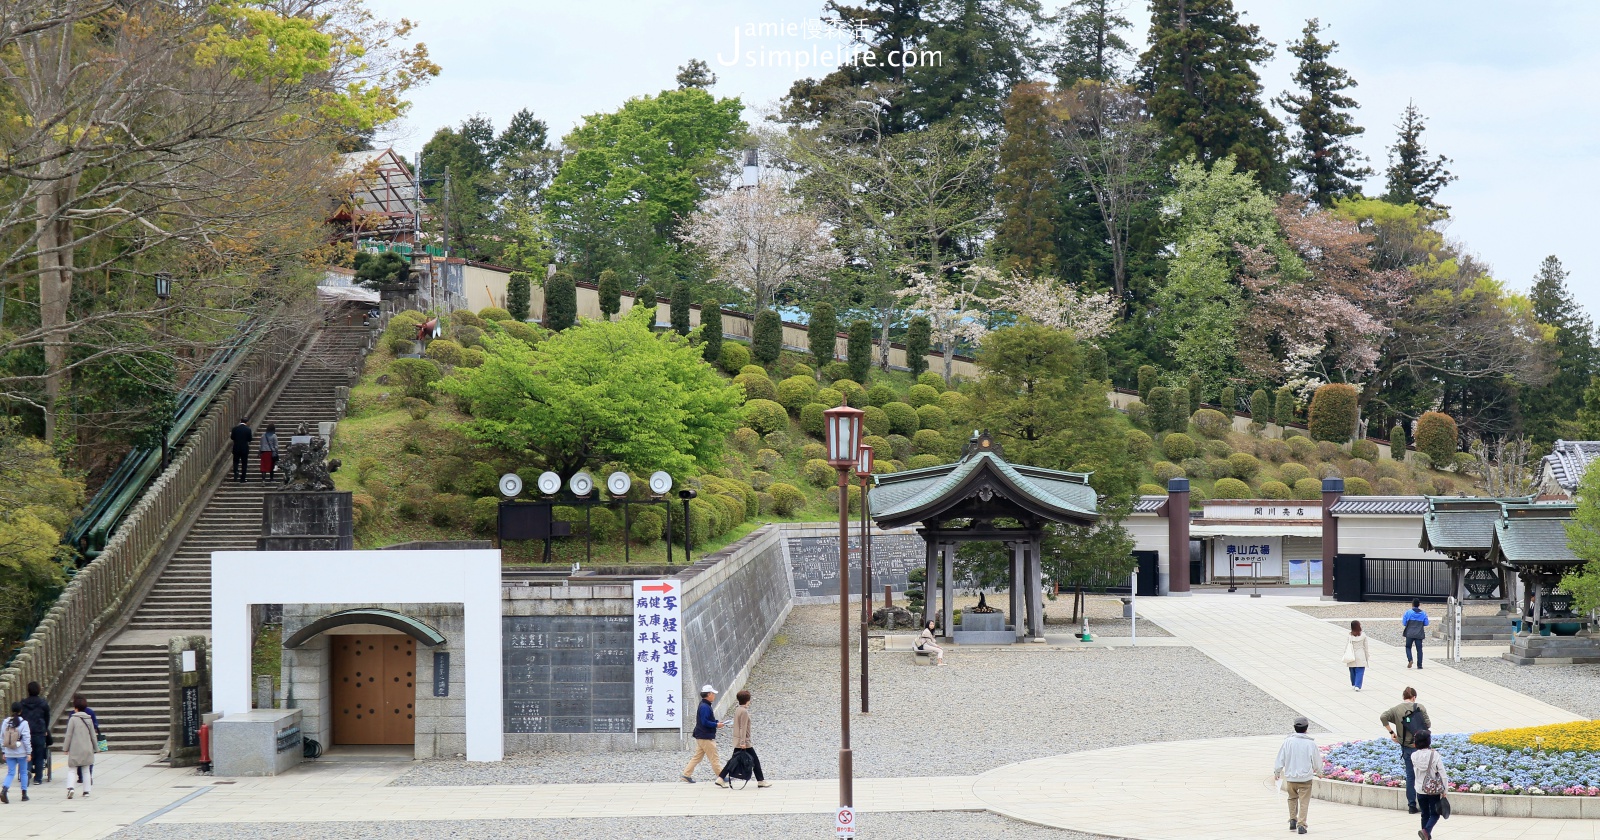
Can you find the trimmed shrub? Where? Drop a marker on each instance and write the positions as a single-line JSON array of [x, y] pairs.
[[855, 497], [932, 380], [955, 405], [1165, 471], [768, 459], [746, 439], [779, 441], [880, 395], [1283, 407], [819, 473], [1243, 465], [526, 333], [678, 309], [812, 450], [1356, 486], [756, 386], [1152, 490], [1195, 388], [801, 369], [1302, 449], [927, 442], [933, 417], [1307, 489], [1216, 448], [796, 391], [646, 526], [858, 351], [1332, 414], [703, 522], [1178, 411], [1230, 488], [899, 446], [450, 510], [765, 416], [1328, 471], [766, 337], [1275, 490], [1293, 472], [903, 419], [560, 301], [1276, 451], [1229, 400], [1211, 423], [812, 421], [921, 395], [1437, 437], [875, 420], [465, 318], [1147, 381], [604, 523], [1197, 468], [919, 334], [881, 447], [1160, 402], [1260, 406], [1366, 450], [711, 329], [444, 351], [829, 397], [1358, 468], [1178, 446], [835, 371], [472, 357], [495, 313], [883, 467], [610, 291], [755, 370], [485, 514], [416, 376], [1327, 450], [1391, 487], [733, 357], [1139, 445], [1139, 414], [855, 396], [1397, 442], [918, 462], [822, 333]]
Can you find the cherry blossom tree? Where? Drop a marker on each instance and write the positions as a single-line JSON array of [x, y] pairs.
[[953, 307], [761, 239], [1058, 305]]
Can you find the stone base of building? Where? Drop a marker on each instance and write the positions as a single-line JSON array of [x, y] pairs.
[[984, 629], [1553, 650]]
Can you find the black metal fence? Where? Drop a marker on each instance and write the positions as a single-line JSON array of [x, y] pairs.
[[1399, 580]]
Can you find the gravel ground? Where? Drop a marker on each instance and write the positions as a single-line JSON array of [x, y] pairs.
[[943, 825], [984, 709], [1570, 687], [1385, 609], [1105, 614]]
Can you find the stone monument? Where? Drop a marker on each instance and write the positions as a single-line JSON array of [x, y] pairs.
[[307, 514]]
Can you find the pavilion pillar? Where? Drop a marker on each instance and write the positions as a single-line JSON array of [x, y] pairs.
[[1035, 591], [945, 579], [1177, 508], [1332, 490], [1017, 589], [930, 584]]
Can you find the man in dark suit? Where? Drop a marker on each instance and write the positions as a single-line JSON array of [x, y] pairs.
[[242, 438]]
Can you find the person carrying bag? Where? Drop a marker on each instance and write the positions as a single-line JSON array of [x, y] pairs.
[[1433, 784]]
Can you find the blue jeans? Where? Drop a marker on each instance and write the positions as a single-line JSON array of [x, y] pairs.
[[16, 767], [1357, 675], [1411, 776], [1430, 811], [1418, 644]]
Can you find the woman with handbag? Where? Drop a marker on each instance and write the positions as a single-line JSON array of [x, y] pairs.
[[1433, 784], [81, 743], [1355, 655], [926, 642]]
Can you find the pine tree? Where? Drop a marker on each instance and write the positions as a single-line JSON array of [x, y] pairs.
[[1547, 409], [1413, 178], [711, 329], [822, 333], [1089, 45], [680, 307], [1204, 91], [1026, 185], [696, 74], [610, 294], [1323, 164], [919, 336], [518, 295], [858, 350], [560, 301]]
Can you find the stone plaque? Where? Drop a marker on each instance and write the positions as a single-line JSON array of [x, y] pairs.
[[568, 673], [441, 673], [814, 563]]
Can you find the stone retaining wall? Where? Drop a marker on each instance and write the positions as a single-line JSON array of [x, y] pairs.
[[1470, 804]]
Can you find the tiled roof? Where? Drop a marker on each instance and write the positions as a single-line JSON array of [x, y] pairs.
[[906, 494], [1463, 525], [1393, 505], [1148, 504], [1534, 535], [1568, 460]]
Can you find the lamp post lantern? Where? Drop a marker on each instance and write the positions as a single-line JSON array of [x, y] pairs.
[[864, 473], [842, 426], [163, 285]]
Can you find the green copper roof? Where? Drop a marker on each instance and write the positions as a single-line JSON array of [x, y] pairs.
[[903, 498], [412, 627], [1534, 535], [1464, 526]]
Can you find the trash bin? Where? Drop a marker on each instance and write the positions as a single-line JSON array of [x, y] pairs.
[[1127, 608]]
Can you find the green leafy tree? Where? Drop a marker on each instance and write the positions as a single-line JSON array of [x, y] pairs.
[[680, 307], [560, 301], [645, 297], [1322, 162], [711, 329], [598, 393], [518, 295], [822, 333], [374, 270], [1414, 178], [1088, 43], [766, 338], [1026, 189], [37, 503], [1549, 409], [1204, 92], [610, 293], [919, 338], [1583, 537], [858, 350]]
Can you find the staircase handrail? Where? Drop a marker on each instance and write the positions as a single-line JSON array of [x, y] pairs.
[[98, 593]]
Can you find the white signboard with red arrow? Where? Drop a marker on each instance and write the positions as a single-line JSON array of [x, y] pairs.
[[657, 654]]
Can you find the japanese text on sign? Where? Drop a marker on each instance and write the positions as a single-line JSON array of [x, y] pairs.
[[657, 654]]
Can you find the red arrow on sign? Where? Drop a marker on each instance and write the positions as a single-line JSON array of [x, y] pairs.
[[662, 587]]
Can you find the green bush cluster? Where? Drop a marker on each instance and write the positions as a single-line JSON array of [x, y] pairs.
[[932, 380], [927, 442], [918, 462], [1283, 407], [829, 397], [955, 404], [1292, 472], [1397, 443], [1302, 449], [1260, 406], [812, 421], [1356, 486], [1139, 445], [1165, 471], [1275, 490], [920, 395], [819, 473], [1307, 489], [746, 439], [1152, 490], [875, 420], [881, 394], [933, 417], [1230, 488], [786, 499], [1333, 412], [1243, 465], [854, 395], [1228, 399]]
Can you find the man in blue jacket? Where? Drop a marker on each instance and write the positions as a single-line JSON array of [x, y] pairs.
[[1415, 622], [705, 735]]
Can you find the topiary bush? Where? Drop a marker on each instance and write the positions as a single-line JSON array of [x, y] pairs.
[[1139, 414], [1274, 450], [766, 337], [765, 416], [1260, 406], [812, 421], [444, 351], [1152, 490], [1197, 469], [834, 371], [1216, 448], [1228, 399], [1194, 386], [1147, 381], [1391, 487], [678, 309], [921, 395], [899, 447], [1283, 407], [802, 369], [1165, 471], [1178, 411], [1437, 437], [918, 462], [733, 357], [756, 386], [780, 441], [1275, 490], [927, 442], [465, 318], [1332, 414], [1139, 445], [881, 447], [1307, 489], [468, 336], [495, 313], [812, 450], [754, 370], [1302, 449], [768, 459], [1356, 486], [647, 525], [746, 439], [711, 329], [919, 333], [416, 376], [903, 419], [822, 333], [829, 397], [1243, 465], [1293, 472], [875, 420], [933, 417], [932, 380], [956, 405], [1230, 488], [880, 395], [1178, 446], [855, 396], [1160, 402], [858, 351], [1397, 443], [855, 497], [819, 473], [1366, 450], [796, 391], [1211, 423]]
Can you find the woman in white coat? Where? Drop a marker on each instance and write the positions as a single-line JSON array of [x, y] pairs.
[[1355, 655]]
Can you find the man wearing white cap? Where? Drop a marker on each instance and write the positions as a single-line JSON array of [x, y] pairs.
[[705, 735]]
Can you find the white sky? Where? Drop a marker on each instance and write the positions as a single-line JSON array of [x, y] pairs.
[[1509, 91]]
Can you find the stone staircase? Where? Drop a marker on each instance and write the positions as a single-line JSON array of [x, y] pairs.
[[127, 686]]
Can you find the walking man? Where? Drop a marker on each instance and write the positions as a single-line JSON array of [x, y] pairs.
[[36, 711], [705, 735], [1403, 722], [1299, 761], [242, 438], [1415, 622]]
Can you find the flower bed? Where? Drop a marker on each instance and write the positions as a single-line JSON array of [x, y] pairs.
[[1582, 736], [1472, 767]]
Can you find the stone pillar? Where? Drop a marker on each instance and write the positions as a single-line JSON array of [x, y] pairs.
[[1035, 589], [1017, 589], [930, 586], [1177, 508], [188, 695], [1332, 490], [945, 587]]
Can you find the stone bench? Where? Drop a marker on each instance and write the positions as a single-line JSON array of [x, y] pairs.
[[923, 657]]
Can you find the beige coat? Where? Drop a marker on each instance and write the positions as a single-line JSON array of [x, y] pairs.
[[1358, 646], [81, 740], [741, 728]]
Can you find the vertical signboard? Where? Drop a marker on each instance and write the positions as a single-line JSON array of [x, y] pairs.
[[657, 654]]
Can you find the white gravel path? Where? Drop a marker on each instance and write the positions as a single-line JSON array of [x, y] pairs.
[[983, 710]]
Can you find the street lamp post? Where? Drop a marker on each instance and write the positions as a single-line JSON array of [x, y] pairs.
[[864, 472], [843, 436], [164, 293]]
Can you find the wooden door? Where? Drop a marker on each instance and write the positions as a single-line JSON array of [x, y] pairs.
[[374, 689]]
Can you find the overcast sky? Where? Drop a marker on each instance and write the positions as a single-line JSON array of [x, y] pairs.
[[1508, 89]]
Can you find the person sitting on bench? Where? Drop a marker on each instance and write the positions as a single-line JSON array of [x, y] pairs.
[[925, 642]]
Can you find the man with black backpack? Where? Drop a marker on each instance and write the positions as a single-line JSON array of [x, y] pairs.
[[1404, 721]]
